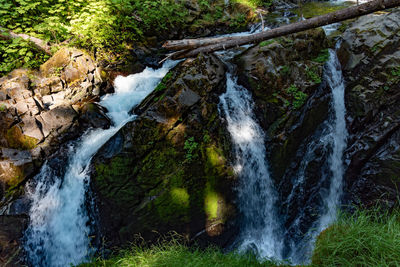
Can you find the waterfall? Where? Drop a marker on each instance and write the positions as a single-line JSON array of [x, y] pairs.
[[60, 226], [325, 198], [257, 195], [335, 80]]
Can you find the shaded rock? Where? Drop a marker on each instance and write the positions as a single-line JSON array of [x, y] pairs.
[[169, 169], [371, 58], [11, 229], [285, 77], [57, 119]]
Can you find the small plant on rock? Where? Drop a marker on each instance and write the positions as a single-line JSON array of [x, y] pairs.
[[299, 97], [190, 147]]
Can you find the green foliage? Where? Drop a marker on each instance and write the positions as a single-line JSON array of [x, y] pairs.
[[17, 53], [367, 238], [91, 24], [299, 98], [323, 56], [190, 147], [3, 108], [312, 75], [173, 253]]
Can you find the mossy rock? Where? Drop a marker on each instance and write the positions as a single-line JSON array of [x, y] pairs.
[[16, 139], [172, 171]]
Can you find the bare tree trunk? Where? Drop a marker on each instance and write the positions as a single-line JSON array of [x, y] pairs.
[[39, 43], [192, 47]]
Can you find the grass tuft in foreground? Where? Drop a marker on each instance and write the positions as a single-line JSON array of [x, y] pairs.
[[174, 254], [366, 238]]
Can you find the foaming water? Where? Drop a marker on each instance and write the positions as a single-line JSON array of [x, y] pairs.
[[331, 140], [257, 196], [339, 135], [60, 226]]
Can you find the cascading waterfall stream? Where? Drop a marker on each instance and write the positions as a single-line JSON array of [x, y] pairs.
[[339, 135], [257, 196], [59, 229], [332, 138]]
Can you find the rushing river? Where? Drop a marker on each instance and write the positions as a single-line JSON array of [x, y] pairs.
[[59, 229]]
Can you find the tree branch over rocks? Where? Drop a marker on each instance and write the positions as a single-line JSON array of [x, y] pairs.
[[6, 34], [192, 47]]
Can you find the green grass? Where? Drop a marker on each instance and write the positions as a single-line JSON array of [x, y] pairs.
[[367, 238], [174, 254]]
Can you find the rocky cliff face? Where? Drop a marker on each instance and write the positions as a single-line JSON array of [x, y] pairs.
[[370, 56], [41, 110], [169, 170]]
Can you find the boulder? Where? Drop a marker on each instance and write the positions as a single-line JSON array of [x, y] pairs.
[[169, 169], [370, 57]]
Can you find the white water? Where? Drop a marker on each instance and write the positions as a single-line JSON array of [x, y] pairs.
[[339, 135], [256, 193], [334, 136], [59, 229]]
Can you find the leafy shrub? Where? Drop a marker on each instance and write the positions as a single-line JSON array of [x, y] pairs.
[[17, 53]]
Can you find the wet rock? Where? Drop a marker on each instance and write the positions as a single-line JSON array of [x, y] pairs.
[[169, 169], [11, 229], [278, 72], [371, 59]]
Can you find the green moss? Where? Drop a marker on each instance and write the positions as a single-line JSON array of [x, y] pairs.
[[215, 169], [312, 9], [3, 108], [17, 140], [211, 201], [180, 196], [265, 43], [172, 206]]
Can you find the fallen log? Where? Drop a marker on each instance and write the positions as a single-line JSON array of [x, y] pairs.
[[6, 34], [207, 45]]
